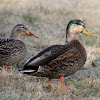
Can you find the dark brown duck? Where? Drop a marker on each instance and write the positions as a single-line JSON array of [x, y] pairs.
[[59, 61]]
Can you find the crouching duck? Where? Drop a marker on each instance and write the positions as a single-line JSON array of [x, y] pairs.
[[13, 50], [59, 61]]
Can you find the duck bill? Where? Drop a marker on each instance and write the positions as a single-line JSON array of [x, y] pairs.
[[88, 33], [31, 34]]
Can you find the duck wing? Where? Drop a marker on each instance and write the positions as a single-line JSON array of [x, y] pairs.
[[46, 56], [9, 46]]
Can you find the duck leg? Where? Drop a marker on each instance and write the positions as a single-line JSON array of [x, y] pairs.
[[62, 80], [50, 81], [5, 66]]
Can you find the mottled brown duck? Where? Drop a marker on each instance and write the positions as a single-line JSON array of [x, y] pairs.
[[13, 50], [59, 61]]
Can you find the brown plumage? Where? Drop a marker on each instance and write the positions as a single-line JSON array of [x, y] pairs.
[[59, 61], [13, 50], [69, 61]]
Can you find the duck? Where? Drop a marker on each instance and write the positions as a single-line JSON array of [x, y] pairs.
[[59, 61], [13, 49]]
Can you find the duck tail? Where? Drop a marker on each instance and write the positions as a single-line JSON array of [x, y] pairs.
[[27, 69]]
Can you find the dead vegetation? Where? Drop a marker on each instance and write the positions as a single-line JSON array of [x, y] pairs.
[[48, 19]]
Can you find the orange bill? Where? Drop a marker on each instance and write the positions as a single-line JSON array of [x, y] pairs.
[[31, 34]]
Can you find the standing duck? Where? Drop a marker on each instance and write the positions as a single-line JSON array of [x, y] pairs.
[[13, 50], [59, 61]]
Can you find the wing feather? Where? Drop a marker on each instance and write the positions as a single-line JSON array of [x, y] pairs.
[[47, 55]]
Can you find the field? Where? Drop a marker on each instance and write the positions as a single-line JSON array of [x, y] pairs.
[[48, 20]]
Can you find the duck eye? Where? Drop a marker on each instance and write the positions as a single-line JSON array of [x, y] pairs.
[[78, 23], [24, 28]]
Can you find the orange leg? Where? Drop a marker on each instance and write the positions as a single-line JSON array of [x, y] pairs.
[[5, 66], [62, 81], [50, 81]]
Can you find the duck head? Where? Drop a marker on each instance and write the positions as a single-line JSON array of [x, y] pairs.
[[75, 27], [20, 30]]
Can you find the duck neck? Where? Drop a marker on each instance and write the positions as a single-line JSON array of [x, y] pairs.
[[74, 42], [15, 35], [70, 37]]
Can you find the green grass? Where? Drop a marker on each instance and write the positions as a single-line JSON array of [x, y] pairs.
[[48, 20]]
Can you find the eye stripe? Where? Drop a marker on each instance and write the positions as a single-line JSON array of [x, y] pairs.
[[24, 28], [78, 23]]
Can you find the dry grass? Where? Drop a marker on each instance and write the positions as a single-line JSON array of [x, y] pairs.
[[22, 87], [48, 19]]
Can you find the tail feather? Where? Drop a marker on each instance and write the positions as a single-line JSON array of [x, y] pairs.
[[22, 71], [29, 69]]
